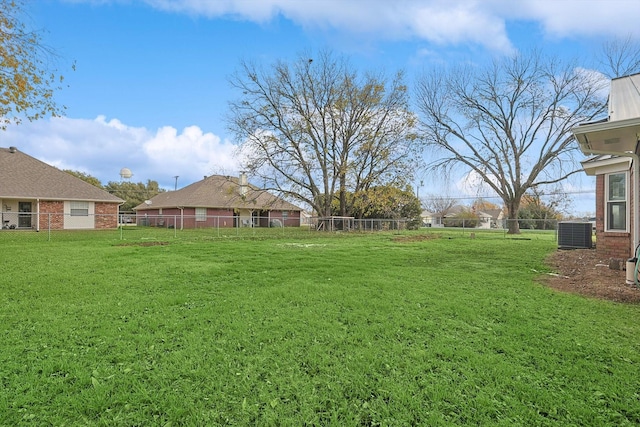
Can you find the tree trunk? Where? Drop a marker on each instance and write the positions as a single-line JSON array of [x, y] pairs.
[[343, 195], [513, 226]]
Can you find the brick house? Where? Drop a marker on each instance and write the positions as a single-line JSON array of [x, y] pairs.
[[615, 142], [613, 220], [37, 196], [218, 201]]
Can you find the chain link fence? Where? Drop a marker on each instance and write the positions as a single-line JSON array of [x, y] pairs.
[[491, 224], [27, 226]]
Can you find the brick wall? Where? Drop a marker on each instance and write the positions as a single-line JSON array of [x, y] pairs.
[[106, 215], [51, 215]]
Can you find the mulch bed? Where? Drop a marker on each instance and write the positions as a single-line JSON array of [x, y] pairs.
[[583, 272]]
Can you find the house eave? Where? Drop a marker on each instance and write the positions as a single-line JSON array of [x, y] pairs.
[[594, 167], [618, 137]]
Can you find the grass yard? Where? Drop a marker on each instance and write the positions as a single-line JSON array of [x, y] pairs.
[[316, 330]]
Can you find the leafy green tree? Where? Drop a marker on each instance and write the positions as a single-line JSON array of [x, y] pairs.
[[134, 193], [387, 202], [85, 177], [27, 79], [536, 214]]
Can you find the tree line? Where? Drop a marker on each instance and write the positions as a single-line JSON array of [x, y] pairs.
[[133, 193], [322, 132]]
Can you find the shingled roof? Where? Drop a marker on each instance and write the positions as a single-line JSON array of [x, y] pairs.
[[23, 176], [218, 191]]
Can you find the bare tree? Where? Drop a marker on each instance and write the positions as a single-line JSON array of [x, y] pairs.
[[509, 123], [620, 57], [315, 129], [438, 205]]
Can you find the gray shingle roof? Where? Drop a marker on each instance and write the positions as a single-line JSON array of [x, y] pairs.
[[218, 191], [23, 176]]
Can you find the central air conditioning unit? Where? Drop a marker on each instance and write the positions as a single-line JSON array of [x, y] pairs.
[[575, 235]]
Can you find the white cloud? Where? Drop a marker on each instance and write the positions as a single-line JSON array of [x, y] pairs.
[[579, 17], [445, 22], [190, 152], [102, 147], [472, 184]]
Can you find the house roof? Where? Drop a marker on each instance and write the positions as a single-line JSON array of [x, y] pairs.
[[490, 213], [455, 210], [620, 131], [218, 191], [23, 176]]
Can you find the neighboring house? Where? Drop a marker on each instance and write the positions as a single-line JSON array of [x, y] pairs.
[[496, 217], [218, 201], [615, 141], [490, 218], [429, 219], [487, 218], [484, 220], [37, 196], [456, 210], [306, 218]]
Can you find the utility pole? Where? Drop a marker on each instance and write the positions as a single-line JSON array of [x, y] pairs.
[[176, 186]]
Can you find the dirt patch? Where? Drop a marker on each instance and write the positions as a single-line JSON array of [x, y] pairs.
[[583, 272]]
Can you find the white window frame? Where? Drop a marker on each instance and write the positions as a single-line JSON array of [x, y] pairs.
[[201, 214], [79, 208], [610, 201]]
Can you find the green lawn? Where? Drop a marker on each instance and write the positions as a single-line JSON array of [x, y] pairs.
[[319, 329]]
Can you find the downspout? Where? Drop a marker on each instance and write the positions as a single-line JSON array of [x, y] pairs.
[[37, 214], [636, 194]]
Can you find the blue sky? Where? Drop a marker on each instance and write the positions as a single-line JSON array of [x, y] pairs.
[[150, 88]]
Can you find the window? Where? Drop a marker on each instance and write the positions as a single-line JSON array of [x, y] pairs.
[[201, 214], [616, 202], [79, 209]]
